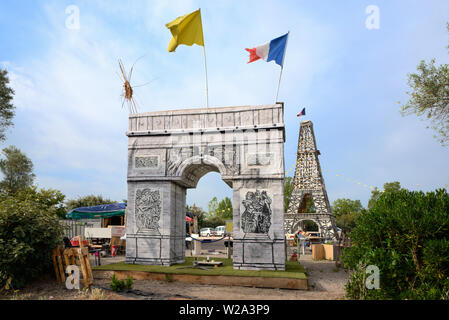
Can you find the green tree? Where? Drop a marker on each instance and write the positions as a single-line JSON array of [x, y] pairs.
[[345, 211], [17, 169], [224, 209], [87, 201], [212, 208], [406, 235], [429, 96], [6, 107], [51, 200], [198, 213], [288, 187], [218, 213], [389, 187]]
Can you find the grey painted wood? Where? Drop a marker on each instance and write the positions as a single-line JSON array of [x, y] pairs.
[[169, 151]]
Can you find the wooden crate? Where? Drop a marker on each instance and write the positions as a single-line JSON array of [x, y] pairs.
[[318, 252], [330, 251]]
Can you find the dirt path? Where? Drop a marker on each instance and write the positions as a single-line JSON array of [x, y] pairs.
[[326, 281]]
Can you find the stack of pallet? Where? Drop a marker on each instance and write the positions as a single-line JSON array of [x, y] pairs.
[[62, 258]]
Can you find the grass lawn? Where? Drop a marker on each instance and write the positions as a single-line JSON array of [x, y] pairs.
[[292, 269]]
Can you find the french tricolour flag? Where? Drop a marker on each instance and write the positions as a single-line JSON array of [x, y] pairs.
[[273, 50]]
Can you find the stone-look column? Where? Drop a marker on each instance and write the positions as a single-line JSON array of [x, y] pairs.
[[155, 223], [259, 224]]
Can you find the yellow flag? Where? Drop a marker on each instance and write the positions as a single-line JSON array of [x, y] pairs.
[[186, 30]]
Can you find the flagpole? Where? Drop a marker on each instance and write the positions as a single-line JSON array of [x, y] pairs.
[[279, 84], [282, 68], [205, 68], [205, 65]]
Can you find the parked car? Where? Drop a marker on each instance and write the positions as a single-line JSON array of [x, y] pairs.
[[220, 231], [207, 232]]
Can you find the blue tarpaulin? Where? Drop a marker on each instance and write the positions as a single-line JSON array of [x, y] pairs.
[[101, 211]]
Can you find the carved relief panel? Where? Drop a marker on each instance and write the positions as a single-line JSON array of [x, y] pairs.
[[256, 212], [146, 162], [148, 209]]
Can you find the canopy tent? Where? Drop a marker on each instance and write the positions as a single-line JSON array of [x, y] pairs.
[[98, 212], [106, 211]]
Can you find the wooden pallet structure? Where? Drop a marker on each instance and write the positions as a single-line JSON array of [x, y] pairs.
[[62, 258]]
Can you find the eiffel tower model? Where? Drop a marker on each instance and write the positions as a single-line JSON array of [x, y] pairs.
[[308, 184]]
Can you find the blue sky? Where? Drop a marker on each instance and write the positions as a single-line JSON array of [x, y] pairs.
[[69, 119]]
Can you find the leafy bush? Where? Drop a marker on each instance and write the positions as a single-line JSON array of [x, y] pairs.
[[49, 200], [28, 233], [129, 282], [116, 284], [406, 235], [119, 285], [345, 211]]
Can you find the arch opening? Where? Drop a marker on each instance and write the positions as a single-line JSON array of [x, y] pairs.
[[193, 169], [307, 225], [203, 193]]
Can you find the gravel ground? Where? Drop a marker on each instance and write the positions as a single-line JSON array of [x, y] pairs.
[[325, 282]]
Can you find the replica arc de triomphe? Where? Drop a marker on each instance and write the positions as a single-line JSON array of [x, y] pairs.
[[169, 151]]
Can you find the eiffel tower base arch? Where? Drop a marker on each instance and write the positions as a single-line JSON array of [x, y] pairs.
[[325, 223]]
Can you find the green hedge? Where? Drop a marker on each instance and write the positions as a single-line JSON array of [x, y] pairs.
[[28, 233], [406, 235]]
